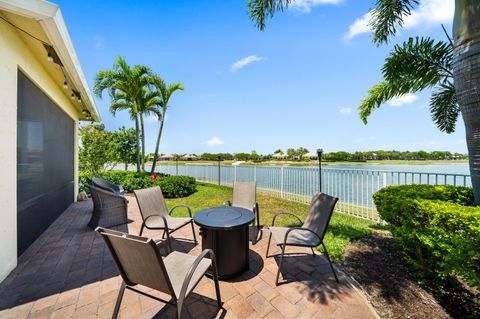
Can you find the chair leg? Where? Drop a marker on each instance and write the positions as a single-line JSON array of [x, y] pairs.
[[119, 300], [179, 310], [193, 231], [268, 245], [141, 229], [330, 262], [258, 220], [280, 265], [217, 285]]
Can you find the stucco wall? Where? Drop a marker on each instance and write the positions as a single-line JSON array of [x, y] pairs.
[[14, 55]]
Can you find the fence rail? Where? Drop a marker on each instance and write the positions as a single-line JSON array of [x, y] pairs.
[[353, 187]]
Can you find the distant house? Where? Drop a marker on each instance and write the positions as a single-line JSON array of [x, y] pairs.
[[279, 156], [310, 155], [372, 157], [167, 157], [43, 97], [189, 157]]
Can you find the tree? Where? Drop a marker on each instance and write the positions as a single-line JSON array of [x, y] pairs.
[[125, 85], [451, 68], [165, 94], [124, 141], [96, 152], [148, 103], [291, 153], [279, 151], [301, 151]]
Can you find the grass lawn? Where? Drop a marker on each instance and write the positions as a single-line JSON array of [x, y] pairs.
[[341, 230]]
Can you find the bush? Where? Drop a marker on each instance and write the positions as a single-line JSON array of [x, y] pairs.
[[176, 186], [437, 226], [172, 186]]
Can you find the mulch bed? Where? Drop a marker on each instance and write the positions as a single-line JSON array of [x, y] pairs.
[[397, 290]]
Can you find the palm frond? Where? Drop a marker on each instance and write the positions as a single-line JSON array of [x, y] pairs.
[[419, 63], [444, 107], [261, 10], [378, 95], [387, 16]]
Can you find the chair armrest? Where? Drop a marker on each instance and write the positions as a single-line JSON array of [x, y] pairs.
[[255, 208], [227, 203], [284, 213], [185, 206], [299, 228], [192, 269]]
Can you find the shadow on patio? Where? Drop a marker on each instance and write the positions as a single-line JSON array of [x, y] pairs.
[[68, 272]]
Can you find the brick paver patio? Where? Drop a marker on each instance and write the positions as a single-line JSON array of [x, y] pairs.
[[68, 273]]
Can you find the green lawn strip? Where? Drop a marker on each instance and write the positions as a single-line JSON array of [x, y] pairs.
[[342, 229]]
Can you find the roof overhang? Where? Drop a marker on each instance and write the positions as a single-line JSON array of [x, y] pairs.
[[51, 20]]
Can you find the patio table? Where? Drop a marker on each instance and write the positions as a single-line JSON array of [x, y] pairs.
[[224, 229]]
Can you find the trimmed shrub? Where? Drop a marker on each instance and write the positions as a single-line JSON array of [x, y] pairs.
[[176, 186], [437, 226], [172, 186]]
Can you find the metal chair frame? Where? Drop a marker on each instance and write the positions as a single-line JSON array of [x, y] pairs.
[[178, 302], [284, 244]]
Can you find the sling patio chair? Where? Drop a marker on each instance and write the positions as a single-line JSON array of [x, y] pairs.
[[156, 215], [245, 196], [106, 185], [311, 233], [109, 209], [139, 262]]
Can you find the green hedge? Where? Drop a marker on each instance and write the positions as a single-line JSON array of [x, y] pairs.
[[437, 226], [172, 186]]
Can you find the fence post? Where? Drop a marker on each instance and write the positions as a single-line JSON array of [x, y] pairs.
[[384, 179], [235, 174], [281, 182], [254, 173]]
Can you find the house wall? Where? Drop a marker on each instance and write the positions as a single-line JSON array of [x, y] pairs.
[[15, 55]]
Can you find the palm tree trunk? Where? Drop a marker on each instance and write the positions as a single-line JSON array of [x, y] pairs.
[[143, 141], [155, 156], [137, 131], [466, 72]]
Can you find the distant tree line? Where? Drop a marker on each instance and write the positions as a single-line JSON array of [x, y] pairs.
[[299, 155]]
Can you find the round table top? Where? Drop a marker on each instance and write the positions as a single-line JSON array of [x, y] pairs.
[[223, 217]]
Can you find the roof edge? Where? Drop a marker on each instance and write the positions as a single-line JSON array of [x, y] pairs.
[[51, 19]]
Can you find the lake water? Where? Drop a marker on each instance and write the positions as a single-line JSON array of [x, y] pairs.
[[354, 185]]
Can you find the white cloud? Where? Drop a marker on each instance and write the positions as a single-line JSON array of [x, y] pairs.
[[346, 110], [305, 6], [240, 64], [360, 26], [403, 99], [214, 141], [428, 13], [98, 42]]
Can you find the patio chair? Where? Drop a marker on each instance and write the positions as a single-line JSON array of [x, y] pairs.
[[106, 185], [109, 209], [245, 196], [311, 233], [140, 263], [155, 214]]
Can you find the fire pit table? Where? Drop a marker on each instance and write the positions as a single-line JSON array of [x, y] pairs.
[[224, 229]]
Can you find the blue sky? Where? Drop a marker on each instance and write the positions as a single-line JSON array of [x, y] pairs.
[[298, 83]]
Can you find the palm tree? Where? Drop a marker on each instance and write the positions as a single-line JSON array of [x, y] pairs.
[[125, 86], [166, 92], [148, 103], [452, 68]]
